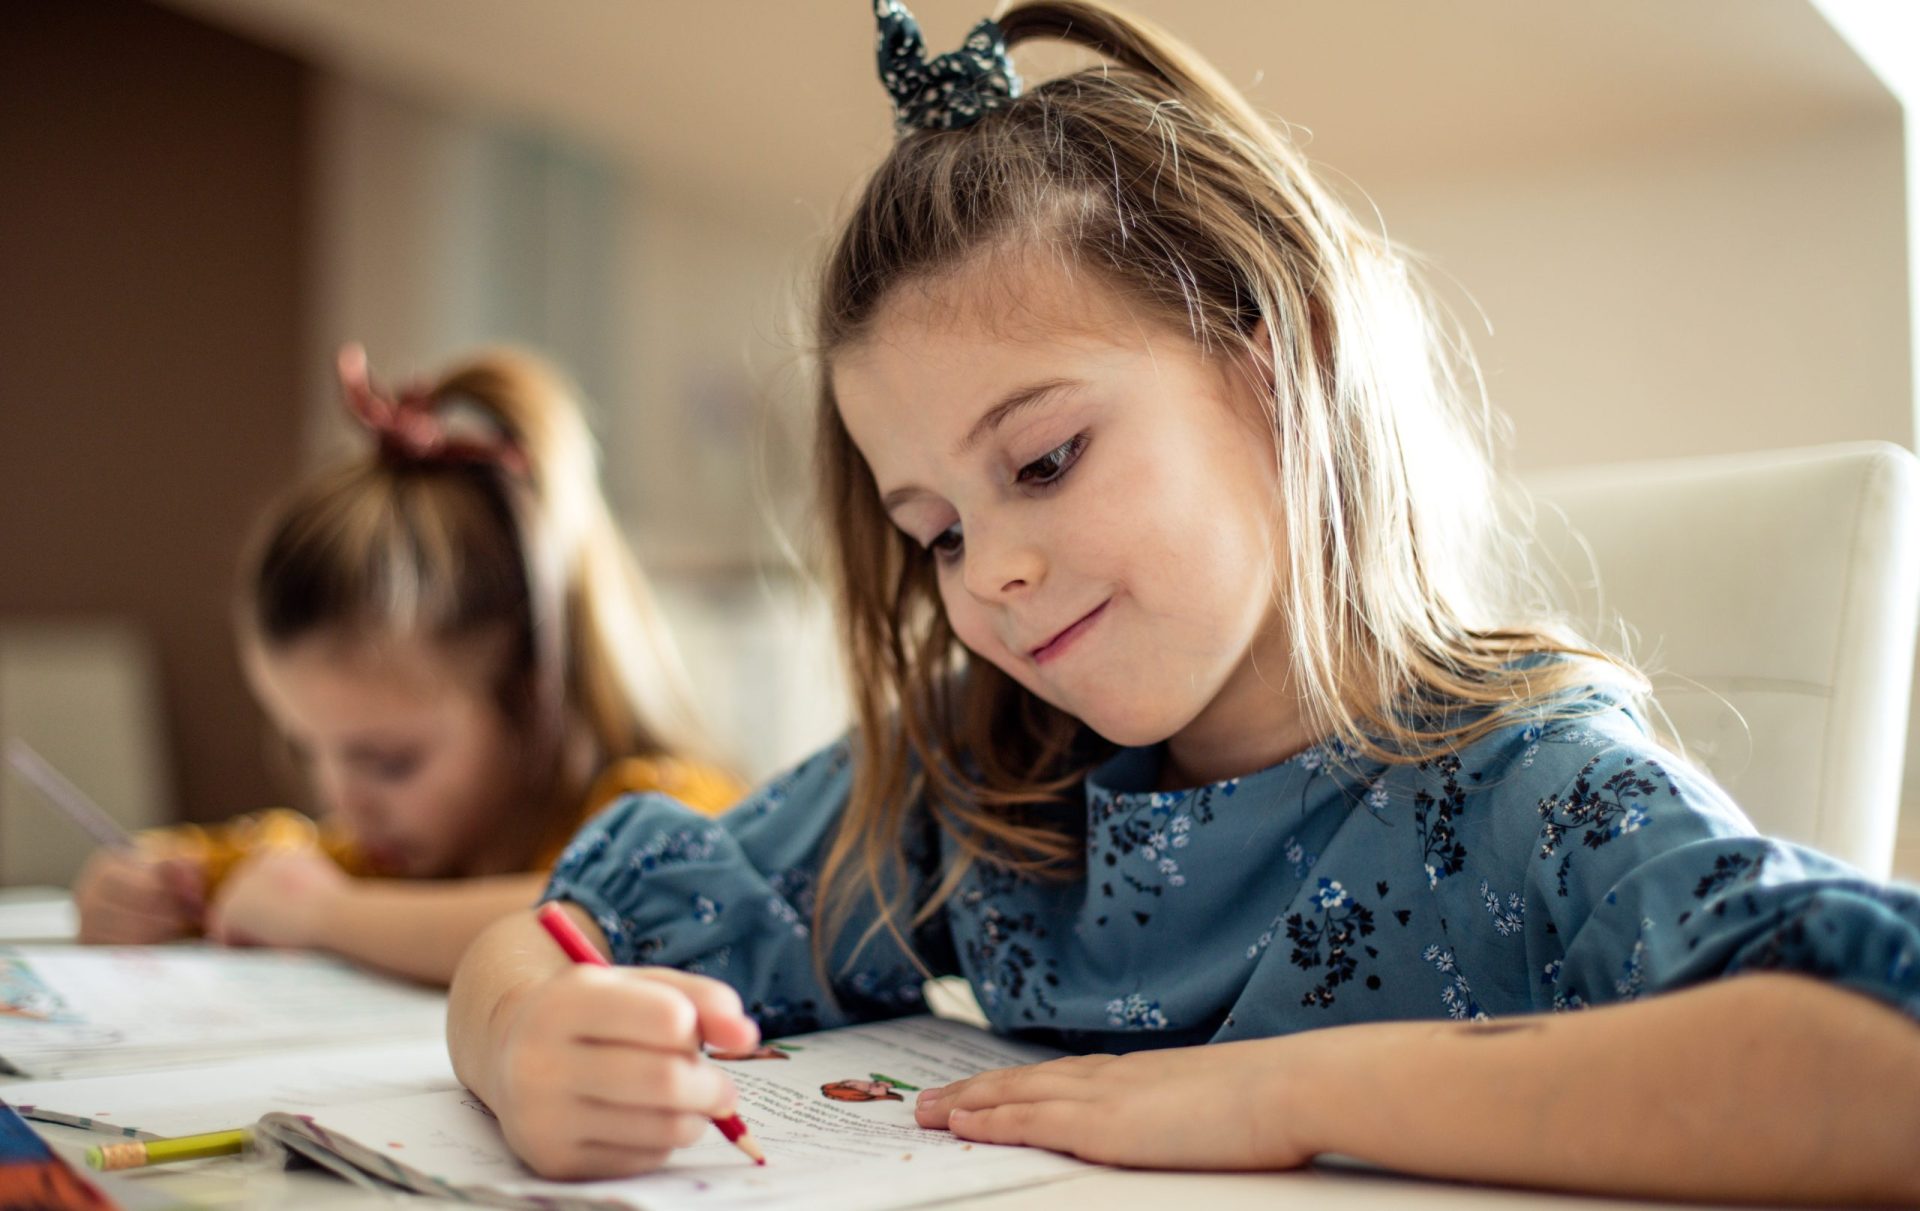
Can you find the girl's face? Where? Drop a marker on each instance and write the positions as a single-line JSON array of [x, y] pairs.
[[406, 747], [1098, 497]]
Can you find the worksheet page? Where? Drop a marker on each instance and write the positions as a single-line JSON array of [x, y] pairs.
[[833, 1112]]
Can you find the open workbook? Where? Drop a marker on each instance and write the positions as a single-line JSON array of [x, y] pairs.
[[833, 1111]]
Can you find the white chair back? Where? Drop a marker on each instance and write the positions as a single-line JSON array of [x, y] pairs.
[[1775, 596]]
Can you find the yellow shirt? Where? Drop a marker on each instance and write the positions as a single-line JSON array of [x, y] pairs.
[[219, 847]]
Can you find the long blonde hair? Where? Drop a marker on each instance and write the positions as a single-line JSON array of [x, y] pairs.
[[521, 544], [1156, 175]]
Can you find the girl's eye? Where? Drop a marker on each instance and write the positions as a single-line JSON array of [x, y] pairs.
[[946, 544], [1052, 466], [393, 769]]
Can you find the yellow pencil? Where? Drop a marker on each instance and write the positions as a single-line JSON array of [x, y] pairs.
[[159, 1152]]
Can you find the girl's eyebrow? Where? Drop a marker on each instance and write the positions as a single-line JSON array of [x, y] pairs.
[[375, 750], [1018, 400]]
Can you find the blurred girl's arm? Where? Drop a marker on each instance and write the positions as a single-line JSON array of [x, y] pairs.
[[1764, 1087], [418, 928], [414, 928]]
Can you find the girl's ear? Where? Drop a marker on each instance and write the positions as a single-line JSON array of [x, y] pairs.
[[1260, 344], [1259, 367]]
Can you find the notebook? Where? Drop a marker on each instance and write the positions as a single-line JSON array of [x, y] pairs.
[[833, 1111]]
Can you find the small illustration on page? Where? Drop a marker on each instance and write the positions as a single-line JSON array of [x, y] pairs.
[[877, 1089], [24, 995]]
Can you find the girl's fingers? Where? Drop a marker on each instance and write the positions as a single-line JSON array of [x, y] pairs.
[[637, 1129], [578, 1159], [1063, 1081], [219, 931], [720, 1018], [621, 1005], [126, 903], [655, 1007], [138, 890], [185, 880], [109, 924], [596, 1161], [1061, 1126], [628, 1077]]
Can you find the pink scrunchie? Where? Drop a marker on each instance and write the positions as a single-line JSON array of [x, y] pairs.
[[409, 428]]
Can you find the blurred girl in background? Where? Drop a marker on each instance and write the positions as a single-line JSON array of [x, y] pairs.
[[466, 662]]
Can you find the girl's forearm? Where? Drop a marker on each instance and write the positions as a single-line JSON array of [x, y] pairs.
[[416, 928], [1764, 1087]]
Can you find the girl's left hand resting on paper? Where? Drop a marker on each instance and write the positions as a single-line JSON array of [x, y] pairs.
[[1181, 1108], [593, 1072], [280, 897]]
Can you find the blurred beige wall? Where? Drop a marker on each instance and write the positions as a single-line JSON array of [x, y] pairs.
[[1686, 299], [152, 210]]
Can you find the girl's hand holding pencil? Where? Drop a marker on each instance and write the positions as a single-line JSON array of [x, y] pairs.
[[597, 1072], [123, 895], [128, 898]]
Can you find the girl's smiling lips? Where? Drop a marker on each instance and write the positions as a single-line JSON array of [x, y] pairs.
[[1057, 646]]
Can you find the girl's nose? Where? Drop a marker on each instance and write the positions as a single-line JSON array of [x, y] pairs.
[[1000, 567], [348, 800]]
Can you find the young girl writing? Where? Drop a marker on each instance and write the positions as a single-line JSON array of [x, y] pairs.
[[1195, 733], [457, 647]]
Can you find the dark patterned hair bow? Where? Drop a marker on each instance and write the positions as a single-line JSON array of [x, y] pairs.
[[410, 428], [952, 91]]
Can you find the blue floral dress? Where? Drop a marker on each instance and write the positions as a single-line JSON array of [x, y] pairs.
[[1545, 867]]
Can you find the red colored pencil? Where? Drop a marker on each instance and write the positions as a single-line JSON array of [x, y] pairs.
[[562, 930]]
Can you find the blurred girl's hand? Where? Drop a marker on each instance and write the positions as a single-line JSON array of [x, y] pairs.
[[598, 1072], [281, 897], [128, 898]]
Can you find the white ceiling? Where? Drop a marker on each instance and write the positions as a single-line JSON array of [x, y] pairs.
[[773, 103]]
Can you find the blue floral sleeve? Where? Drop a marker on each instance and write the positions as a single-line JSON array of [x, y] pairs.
[[1655, 882], [733, 899]]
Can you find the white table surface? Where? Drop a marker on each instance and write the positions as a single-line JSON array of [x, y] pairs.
[[228, 1183], [36, 914], [27, 914]]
